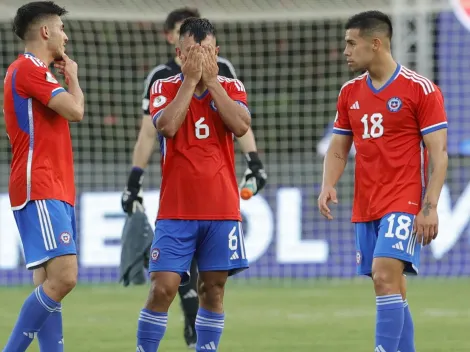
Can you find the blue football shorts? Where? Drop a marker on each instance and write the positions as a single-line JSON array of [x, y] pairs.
[[47, 230], [217, 245], [391, 237]]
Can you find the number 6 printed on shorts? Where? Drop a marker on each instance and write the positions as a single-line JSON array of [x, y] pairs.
[[233, 239], [202, 129]]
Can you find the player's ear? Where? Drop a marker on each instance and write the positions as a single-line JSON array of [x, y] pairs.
[[376, 44], [179, 54], [217, 48], [44, 32]]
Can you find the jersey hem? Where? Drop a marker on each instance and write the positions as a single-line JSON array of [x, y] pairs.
[[197, 218], [21, 206], [380, 216]]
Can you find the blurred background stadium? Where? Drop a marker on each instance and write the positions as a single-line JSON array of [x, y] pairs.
[[299, 293]]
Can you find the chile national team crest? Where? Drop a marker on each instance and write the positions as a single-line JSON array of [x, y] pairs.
[[394, 104], [65, 238], [155, 254], [462, 11]]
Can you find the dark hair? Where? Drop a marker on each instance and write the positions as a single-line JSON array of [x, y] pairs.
[[33, 12], [179, 15], [199, 28], [370, 22]]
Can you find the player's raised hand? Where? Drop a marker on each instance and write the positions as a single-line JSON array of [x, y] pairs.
[[426, 224], [210, 68], [327, 194], [192, 66], [67, 67]]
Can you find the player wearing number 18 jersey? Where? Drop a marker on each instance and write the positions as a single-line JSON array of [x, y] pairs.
[[197, 114], [395, 118]]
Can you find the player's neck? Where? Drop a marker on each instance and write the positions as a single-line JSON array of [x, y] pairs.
[[382, 70], [40, 53], [200, 88]]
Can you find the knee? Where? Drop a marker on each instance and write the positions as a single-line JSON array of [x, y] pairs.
[[211, 293], [385, 283], [161, 294], [63, 284]]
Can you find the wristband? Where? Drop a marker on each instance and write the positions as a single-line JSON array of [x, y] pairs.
[[253, 160], [136, 178]]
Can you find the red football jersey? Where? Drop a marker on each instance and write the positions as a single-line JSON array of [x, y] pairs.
[[42, 164], [387, 126], [198, 163]]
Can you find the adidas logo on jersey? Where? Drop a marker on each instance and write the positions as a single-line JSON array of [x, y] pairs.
[[398, 246], [234, 256], [209, 346], [355, 106]]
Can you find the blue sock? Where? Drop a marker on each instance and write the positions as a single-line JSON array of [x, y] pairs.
[[209, 327], [150, 330], [35, 311], [408, 334], [389, 325], [50, 336]]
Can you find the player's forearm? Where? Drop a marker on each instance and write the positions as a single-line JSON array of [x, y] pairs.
[[145, 144], [175, 113], [76, 91], [336, 159], [235, 116], [247, 142], [439, 160]]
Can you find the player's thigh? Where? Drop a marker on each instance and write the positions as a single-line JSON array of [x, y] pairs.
[[366, 239], [47, 230], [396, 240], [221, 247], [62, 272], [173, 247]]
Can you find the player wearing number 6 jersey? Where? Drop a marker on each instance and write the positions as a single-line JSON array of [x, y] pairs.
[[197, 113], [395, 117]]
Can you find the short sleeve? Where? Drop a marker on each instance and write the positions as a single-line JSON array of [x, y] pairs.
[[341, 123], [159, 72], [161, 95], [38, 82], [237, 93], [431, 112]]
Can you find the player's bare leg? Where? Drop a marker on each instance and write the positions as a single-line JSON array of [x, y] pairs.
[[163, 289], [387, 274], [210, 317], [154, 317], [406, 343], [55, 280], [51, 332]]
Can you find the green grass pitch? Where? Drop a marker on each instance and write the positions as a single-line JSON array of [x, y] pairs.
[[263, 315]]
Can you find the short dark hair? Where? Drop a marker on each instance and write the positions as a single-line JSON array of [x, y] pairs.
[[370, 22], [33, 12], [179, 15], [199, 28]]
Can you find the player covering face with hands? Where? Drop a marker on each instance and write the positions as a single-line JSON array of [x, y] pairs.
[[41, 187], [196, 114], [253, 180], [396, 119]]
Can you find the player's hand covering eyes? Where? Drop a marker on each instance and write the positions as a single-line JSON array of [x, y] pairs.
[[210, 68], [426, 224], [327, 194], [254, 176], [192, 66]]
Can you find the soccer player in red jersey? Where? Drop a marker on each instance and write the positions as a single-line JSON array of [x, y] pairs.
[[37, 112], [197, 114], [396, 118]]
